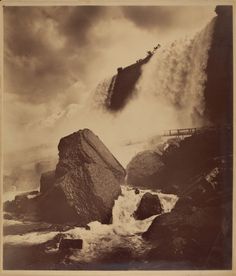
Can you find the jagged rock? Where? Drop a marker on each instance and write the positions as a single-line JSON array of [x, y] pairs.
[[149, 205], [87, 181], [144, 169], [66, 244], [47, 181], [136, 191]]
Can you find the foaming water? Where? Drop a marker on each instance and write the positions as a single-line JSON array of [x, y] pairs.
[[175, 79], [101, 239]]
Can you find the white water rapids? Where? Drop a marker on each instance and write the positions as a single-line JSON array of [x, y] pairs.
[[101, 238]]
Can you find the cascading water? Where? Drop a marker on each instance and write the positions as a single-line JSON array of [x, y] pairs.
[[169, 94], [99, 96], [101, 239], [175, 77]]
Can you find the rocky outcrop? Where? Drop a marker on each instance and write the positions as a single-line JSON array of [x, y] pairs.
[[144, 169], [87, 181], [122, 87], [84, 185], [185, 167], [192, 237], [198, 231], [149, 205]]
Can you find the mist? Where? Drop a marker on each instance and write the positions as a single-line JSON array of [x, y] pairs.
[[52, 87]]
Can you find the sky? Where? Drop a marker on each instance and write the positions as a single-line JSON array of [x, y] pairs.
[[54, 56]]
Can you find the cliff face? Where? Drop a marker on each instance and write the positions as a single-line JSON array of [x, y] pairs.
[[123, 87], [219, 85], [218, 92]]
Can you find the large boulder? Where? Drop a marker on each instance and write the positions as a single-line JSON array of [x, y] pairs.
[[87, 181], [83, 188], [144, 169], [149, 205]]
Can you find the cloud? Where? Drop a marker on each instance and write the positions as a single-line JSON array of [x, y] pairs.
[[167, 17], [45, 49], [77, 23]]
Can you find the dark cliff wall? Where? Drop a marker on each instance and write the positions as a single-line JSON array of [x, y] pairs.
[[124, 85], [219, 85]]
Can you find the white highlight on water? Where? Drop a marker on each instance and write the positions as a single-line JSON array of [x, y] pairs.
[[124, 231], [175, 78]]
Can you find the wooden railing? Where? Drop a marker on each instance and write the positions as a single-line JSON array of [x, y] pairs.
[[181, 132]]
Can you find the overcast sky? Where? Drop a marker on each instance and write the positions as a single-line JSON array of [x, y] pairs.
[[53, 56]]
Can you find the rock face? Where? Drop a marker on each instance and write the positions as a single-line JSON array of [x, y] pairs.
[[149, 205], [219, 85], [198, 231], [184, 167], [122, 87], [144, 169], [87, 181]]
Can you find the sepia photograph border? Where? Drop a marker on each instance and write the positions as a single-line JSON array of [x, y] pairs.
[[4, 3]]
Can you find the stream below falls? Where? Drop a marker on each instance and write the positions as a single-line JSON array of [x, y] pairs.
[[104, 244]]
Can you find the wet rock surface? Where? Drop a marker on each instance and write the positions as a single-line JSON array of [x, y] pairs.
[[67, 244], [149, 205]]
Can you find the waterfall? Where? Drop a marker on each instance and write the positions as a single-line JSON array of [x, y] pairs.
[[169, 94], [101, 94], [176, 76]]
